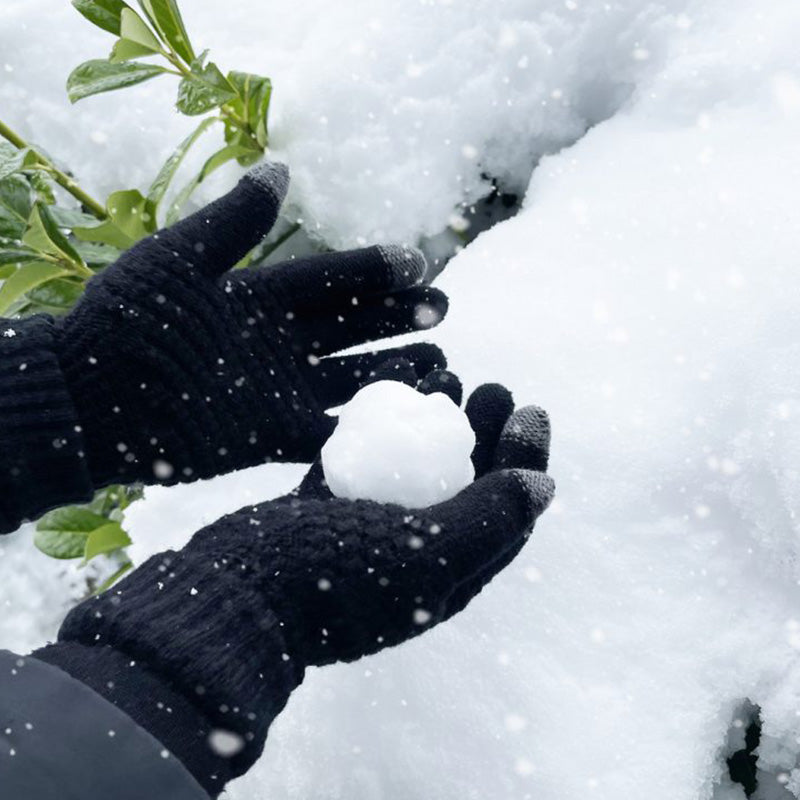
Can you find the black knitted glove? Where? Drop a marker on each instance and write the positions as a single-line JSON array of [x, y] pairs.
[[181, 369], [230, 622]]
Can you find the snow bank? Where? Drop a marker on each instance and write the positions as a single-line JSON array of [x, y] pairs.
[[646, 296], [400, 108]]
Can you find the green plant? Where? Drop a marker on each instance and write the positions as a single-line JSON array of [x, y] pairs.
[[89, 531], [239, 100], [50, 246]]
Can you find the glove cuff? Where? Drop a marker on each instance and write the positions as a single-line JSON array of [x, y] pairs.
[[208, 634], [42, 459]]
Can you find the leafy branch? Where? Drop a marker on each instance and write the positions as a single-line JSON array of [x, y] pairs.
[[49, 250], [240, 100], [38, 161]]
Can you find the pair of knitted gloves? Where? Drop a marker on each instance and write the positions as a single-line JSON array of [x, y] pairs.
[[177, 368]]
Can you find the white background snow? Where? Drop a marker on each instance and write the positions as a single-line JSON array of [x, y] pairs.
[[646, 295]]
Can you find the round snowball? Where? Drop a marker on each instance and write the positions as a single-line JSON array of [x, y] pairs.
[[395, 445]]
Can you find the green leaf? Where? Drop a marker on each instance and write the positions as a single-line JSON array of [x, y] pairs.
[[103, 13], [94, 77], [106, 539], [60, 294], [13, 160], [115, 499], [63, 533], [43, 187], [126, 50], [252, 105], [250, 151], [6, 270], [44, 236], [130, 219], [214, 162], [25, 278], [166, 16], [60, 544], [15, 199], [105, 500], [96, 254], [14, 256], [134, 29], [167, 173], [72, 218], [204, 89]]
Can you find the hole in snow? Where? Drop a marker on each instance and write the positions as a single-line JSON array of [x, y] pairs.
[[747, 776], [744, 736]]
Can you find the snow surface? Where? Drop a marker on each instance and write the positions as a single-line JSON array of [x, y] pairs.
[[395, 445], [646, 296]]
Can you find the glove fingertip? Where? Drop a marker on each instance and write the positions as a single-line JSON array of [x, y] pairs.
[[525, 440], [430, 307], [271, 176], [538, 490], [489, 403], [425, 358], [441, 380], [406, 265]]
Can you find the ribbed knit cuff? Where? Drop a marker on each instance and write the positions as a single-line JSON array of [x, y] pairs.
[[42, 461], [200, 634]]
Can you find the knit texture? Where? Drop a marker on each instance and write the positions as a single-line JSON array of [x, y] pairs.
[[42, 463], [230, 622], [181, 368]]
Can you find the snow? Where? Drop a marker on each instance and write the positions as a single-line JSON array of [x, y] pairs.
[[402, 108], [395, 445], [646, 296]]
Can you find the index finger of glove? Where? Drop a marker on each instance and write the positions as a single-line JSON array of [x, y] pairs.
[[219, 235], [332, 280]]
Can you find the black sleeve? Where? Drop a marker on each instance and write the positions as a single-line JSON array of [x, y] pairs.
[[42, 462], [192, 652], [59, 740]]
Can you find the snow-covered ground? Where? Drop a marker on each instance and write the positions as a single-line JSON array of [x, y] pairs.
[[646, 295]]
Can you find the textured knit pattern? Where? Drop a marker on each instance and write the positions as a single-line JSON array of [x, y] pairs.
[[42, 464], [181, 368], [231, 621]]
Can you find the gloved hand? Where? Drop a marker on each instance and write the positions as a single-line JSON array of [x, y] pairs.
[[308, 579], [358, 576], [181, 369]]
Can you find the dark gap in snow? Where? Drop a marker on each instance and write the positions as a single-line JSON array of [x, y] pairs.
[[742, 762], [599, 102], [470, 220], [745, 736]]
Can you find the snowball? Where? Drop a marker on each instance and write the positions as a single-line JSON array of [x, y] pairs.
[[395, 445]]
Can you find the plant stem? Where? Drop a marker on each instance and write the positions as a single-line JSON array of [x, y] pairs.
[[61, 178], [284, 237]]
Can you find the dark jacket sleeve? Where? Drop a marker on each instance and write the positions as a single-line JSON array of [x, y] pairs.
[[59, 740], [42, 462]]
